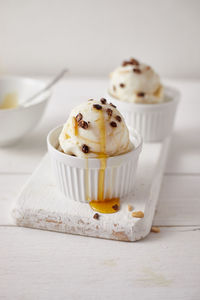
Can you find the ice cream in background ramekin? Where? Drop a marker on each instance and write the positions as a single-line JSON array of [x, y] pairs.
[[145, 103], [94, 155], [136, 82]]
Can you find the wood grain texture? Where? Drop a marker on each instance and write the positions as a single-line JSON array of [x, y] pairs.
[[179, 203], [10, 186], [46, 265], [179, 199], [41, 205]]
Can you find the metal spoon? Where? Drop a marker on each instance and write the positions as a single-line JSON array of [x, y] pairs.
[[46, 88]]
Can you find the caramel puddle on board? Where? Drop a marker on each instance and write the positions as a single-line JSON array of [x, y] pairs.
[[10, 101], [103, 205]]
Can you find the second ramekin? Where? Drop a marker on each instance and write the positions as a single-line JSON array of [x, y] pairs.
[[153, 121], [77, 178]]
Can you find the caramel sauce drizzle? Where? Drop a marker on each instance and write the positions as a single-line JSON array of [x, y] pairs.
[[102, 156], [103, 205], [75, 125], [158, 91]]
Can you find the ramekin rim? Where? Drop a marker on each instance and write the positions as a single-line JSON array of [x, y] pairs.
[[110, 158], [176, 99]]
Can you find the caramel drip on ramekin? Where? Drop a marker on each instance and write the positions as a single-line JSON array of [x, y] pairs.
[[103, 205]]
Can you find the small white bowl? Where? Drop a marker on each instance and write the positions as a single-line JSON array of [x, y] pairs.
[[153, 121], [15, 123], [77, 178]]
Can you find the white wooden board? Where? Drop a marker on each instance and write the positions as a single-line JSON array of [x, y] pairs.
[[41, 205]]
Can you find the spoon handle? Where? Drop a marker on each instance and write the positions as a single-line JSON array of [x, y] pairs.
[[47, 87]]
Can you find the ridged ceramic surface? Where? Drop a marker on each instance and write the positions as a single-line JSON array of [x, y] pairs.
[[153, 121], [80, 183], [78, 178], [153, 126]]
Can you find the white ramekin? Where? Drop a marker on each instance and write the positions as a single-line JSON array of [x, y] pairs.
[[73, 173], [153, 121]]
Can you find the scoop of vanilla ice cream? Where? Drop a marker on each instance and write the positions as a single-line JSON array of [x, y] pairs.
[[95, 129], [135, 82]]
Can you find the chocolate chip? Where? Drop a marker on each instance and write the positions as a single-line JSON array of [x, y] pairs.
[[118, 118], [96, 216], [113, 105], [115, 207], [148, 68], [109, 112], [137, 71], [83, 124], [134, 61], [113, 124], [85, 148], [103, 100], [79, 117], [122, 85], [125, 63], [114, 88], [73, 154], [97, 106], [141, 94]]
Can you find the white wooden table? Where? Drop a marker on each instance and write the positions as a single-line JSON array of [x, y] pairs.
[[38, 264]]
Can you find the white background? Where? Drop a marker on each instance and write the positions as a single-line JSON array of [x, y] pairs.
[[38, 37]]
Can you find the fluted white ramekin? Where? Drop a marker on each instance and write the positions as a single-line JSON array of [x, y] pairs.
[[153, 121], [77, 178]]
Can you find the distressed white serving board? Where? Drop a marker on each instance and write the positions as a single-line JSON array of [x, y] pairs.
[[41, 205]]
